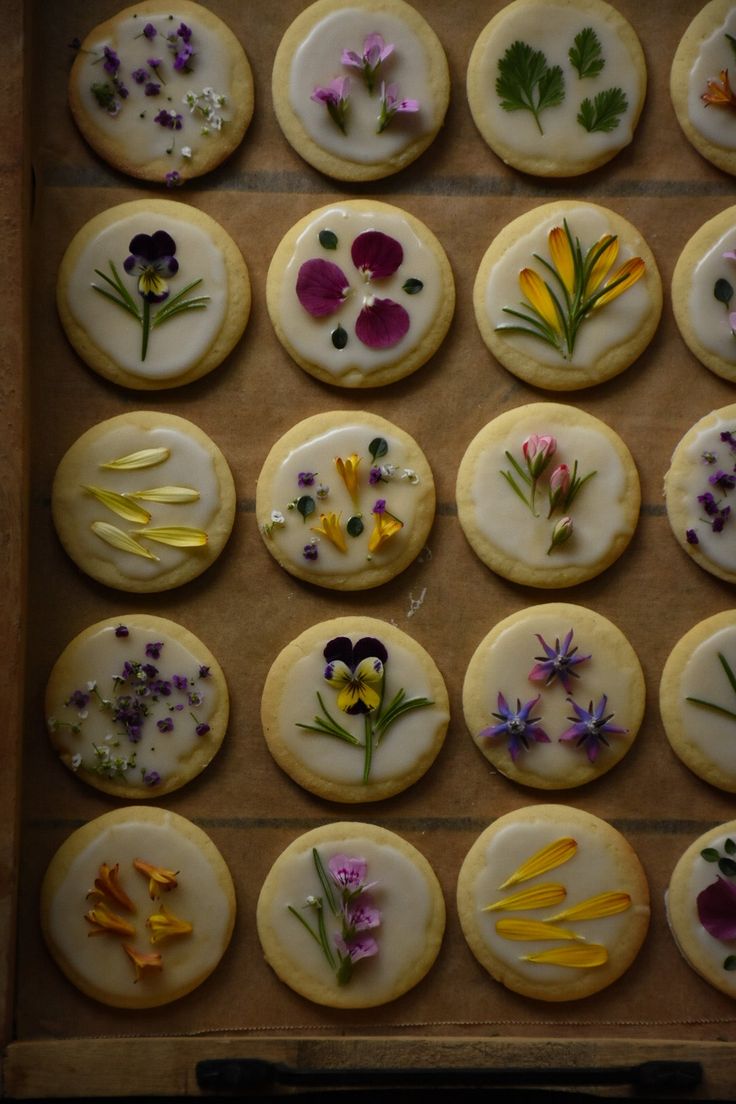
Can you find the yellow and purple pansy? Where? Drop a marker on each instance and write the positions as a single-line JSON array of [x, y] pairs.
[[356, 671], [152, 260]]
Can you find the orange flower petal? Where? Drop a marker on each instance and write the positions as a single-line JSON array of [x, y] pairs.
[[622, 280], [164, 924], [606, 249], [385, 526], [143, 962], [538, 294], [554, 854], [107, 883], [158, 878], [330, 526]]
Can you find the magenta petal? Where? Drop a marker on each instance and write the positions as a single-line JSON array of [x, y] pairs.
[[321, 287], [382, 324], [376, 253], [539, 672], [717, 909]]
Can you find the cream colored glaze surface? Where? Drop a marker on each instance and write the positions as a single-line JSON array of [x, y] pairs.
[[720, 548], [179, 343], [713, 734], [143, 139], [613, 324], [406, 741], [717, 124], [310, 337], [597, 511], [188, 465], [552, 30], [401, 894], [317, 62], [508, 664], [318, 455], [197, 898], [592, 870], [709, 318], [714, 951], [101, 656]]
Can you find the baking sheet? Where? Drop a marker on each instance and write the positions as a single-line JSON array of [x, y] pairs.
[[246, 608]]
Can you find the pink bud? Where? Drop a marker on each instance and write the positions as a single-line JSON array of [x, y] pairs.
[[538, 451], [559, 481]]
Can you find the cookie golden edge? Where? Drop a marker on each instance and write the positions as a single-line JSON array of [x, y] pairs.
[[300, 980], [59, 683], [405, 365], [242, 104], [296, 135], [278, 677], [559, 377]]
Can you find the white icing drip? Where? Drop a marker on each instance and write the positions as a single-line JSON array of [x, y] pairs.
[[716, 124], [317, 61], [709, 317], [598, 511], [179, 343], [720, 548], [605, 329], [711, 733], [310, 337], [714, 951]]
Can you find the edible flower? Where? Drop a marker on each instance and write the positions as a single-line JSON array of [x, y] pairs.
[[158, 878], [375, 52], [538, 450], [330, 526], [517, 724], [349, 873], [624, 277], [336, 97], [391, 106], [719, 94], [143, 962], [591, 727], [547, 858], [717, 909], [541, 896], [164, 924], [348, 472], [360, 915], [376, 255], [562, 532], [107, 884], [152, 260], [540, 297], [385, 526], [562, 256], [579, 956], [106, 922], [321, 287], [523, 930], [559, 662], [356, 671]]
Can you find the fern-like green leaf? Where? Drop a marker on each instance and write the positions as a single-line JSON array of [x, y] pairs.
[[586, 54], [604, 112], [526, 83]]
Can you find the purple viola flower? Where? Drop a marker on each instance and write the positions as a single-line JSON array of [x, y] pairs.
[[559, 662], [182, 61], [165, 725], [150, 31], [356, 671], [139, 75], [375, 52], [184, 32], [78, 699], [152, 89], [173, 179], [153, 649], [691, 536], [382, 323], [518, 725], [306, 479], [728, 439], [708, 503], [172, 120], [181, 682], [723, 480], [717, 909], [379, 506], [391, 106], [719, 521], [111, 64], [376, 254], [591, 727], [335, 96], [122, 631], [310, 552], [204, 671], [151, 778], [349, 873], [149, 670], [155, 63], [202, 729], [374, 476], [152, 260], [321, 287]]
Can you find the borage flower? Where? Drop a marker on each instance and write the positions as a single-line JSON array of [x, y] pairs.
[[336, 97], [559, 662], [591, 727], [375, 52], [517, 724], [356, 671], [391, 106]]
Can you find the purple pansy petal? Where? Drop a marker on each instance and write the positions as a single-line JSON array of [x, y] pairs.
[[368, 647], [717, 909], [377, 254], [340, 648], [381, 324], [321, 287]]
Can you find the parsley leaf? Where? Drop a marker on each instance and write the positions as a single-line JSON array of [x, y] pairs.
[[524, 72], [586, 55], [603, 114]]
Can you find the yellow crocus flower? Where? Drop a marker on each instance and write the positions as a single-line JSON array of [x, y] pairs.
[[385, 526], [330, 526], [628, 274], [539, 296], [348, 472]]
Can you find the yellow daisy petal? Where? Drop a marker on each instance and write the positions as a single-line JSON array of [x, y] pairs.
[[554, 854], [607, 250], [593, 908], [579, 957], [562, 258], [533, 929], [622, 280], [538, 295], [330, 526], [541, 896], [385, 526]]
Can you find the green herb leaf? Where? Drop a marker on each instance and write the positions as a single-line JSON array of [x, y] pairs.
[[324, 880], [723, 291], [305, 506], [104, 94], [526, 83], [727, 867], [710, 854], [378, 447], [339, 337], [412, 286], [355, 526], [729, 963], [586, 54], [604, 112], [328, 239], [729, 846]]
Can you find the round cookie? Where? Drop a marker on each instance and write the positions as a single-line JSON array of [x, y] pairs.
[[162, 93], [136, 706], [354, 710], [700, 906], [698, 489], [697, 699], [547, 495], [386, 939], [554, 696], [153, 294], [143, 502], [539, 267], [157, 896], [553, 902], [360, 293], [700, 87], [360, 89], [556, 87], [702, 291], [345, 500]]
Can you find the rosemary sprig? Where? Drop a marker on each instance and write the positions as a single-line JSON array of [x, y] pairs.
[[722, 709]]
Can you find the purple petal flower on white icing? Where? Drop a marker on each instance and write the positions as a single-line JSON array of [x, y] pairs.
[[382, 323], [376, 254], [391, 105], [335, 96], [717, 909], [321, 287], [375, 52]]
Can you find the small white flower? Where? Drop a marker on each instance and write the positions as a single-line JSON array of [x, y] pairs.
[[410, 474], [322, 491], [76, 761], [388, 471], [51, 723], [277, 518], [186, 151], [91, 686]]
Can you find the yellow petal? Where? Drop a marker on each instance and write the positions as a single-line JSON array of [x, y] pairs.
[[622, 280], [330, 526], [593, 908], [158, 877], [166, 494], [608, 247], [178, 536], [532, 929], [119, 504], [538, 294], [554, 854], [107, 883], [348, 472], [541, 896], [580, 957], [164, 924], [118, 539], [144, 458], [143, 962], [385, 526], [562, 258], [106, 922]]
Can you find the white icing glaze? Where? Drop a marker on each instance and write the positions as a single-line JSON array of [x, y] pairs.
[[188, 465], [178, 344], [709, 318], [615, 323], [198, 898], [713, 951], [720, 548], [406, 742], [592, 870], [318, 455], [598, 511], [402, 895], [508, 664], [552, 30], [98, 658], [142, 139], [317, 61], [713, 734], [310, 337], [716, 124]]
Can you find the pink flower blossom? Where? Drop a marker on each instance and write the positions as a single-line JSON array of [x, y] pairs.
[[348, 873], [538, 450], [376, 254], [382, 323], [375, 52], [321, 287], [335, 96], [364, 946], [717, 909], [361, 915], [391, 105]]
